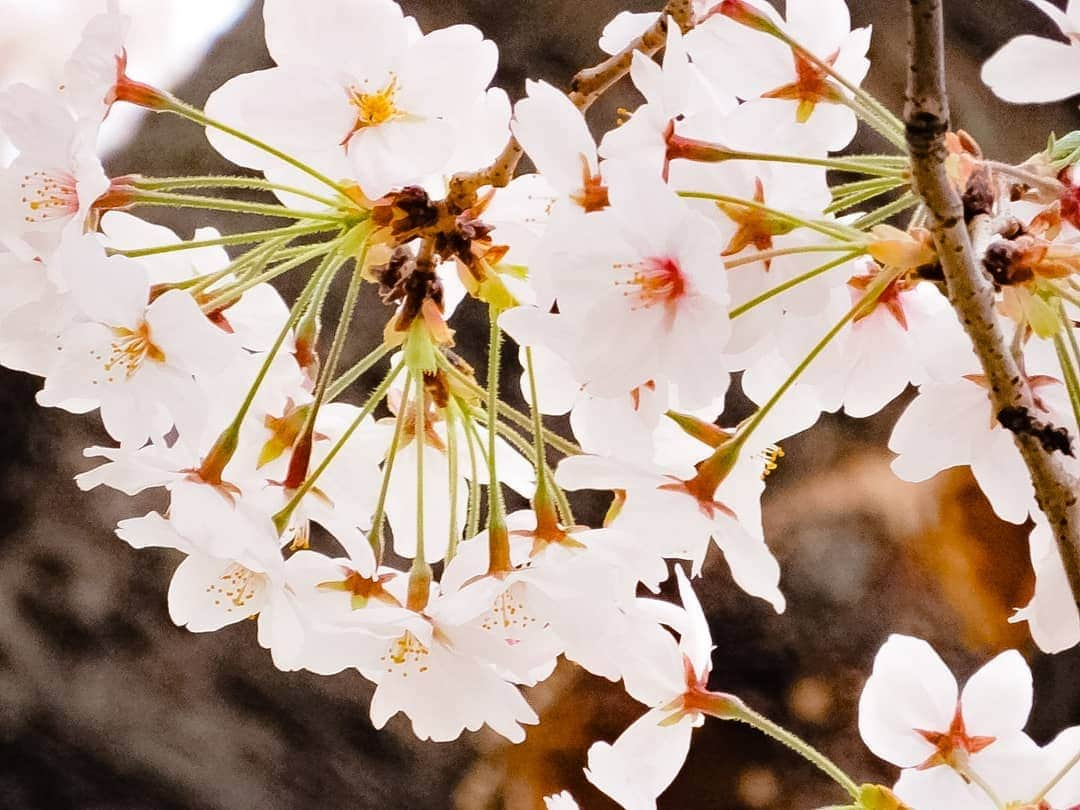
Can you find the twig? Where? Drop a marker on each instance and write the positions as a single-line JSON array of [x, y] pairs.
[[970, 289], [585, 88]]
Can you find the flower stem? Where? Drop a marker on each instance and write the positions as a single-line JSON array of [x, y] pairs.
[[281, 519], [226, 295], [881, 124], [378, 518], [347, 378], [863, 305], [850, 200], [234, 206], [765, 255], [454, 479], [1067, 361], [682, 148], [248, 238], [564, 446], [835, 230], [174, 105], [472, 521], [228, 181], [498, 536], [1057, 778], [729, 707], [900, 204], [792, 282]]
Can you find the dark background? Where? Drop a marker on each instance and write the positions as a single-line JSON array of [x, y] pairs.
[[105, 704]]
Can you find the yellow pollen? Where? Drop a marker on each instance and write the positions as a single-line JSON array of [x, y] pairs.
[[405, 653], [771, 456], [375, 108], [236, 588], [129, 349], [49, 195]]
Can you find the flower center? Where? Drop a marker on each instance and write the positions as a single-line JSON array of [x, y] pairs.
[[810, 88], [406, 654], [509, 616], [953, 745], [658, 280], [236, 588], [49, 195], [375, 108], [130, 348]]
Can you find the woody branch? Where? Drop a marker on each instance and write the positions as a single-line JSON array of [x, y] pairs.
[[970, 289]]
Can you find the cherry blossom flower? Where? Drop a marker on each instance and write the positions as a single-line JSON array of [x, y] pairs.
[[912, 714], [135, 358], [56, 178], [675, 517], [646, 758], [641, 294], [378, 100], [569, 163], [788, 97]]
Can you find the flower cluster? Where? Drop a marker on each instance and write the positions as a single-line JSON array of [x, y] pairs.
[[706, 236]]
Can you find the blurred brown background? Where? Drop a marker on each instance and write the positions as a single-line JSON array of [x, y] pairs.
[[105, 704]]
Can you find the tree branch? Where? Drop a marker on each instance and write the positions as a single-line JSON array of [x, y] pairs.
[[970, 289], [585, 88]]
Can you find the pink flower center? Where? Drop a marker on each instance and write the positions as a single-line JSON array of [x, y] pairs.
[[657, 280], [49, 195]]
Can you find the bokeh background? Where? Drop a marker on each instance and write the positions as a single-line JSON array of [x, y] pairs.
[[105, 704]]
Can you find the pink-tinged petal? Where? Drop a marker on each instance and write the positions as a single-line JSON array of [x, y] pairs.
[[185, 335], [297, 110], [696, 642], [1030, 69], [1051, 614], [996, 700], [563, 158], [624, 28], [207, 593], [910, 688], [361, 37], [642, 762]]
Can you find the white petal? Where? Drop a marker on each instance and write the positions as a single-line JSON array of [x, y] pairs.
[[296, 110], [910, 688], [1030, 69], [553, 132], [642, 762], [996, 700], [359, 36]]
